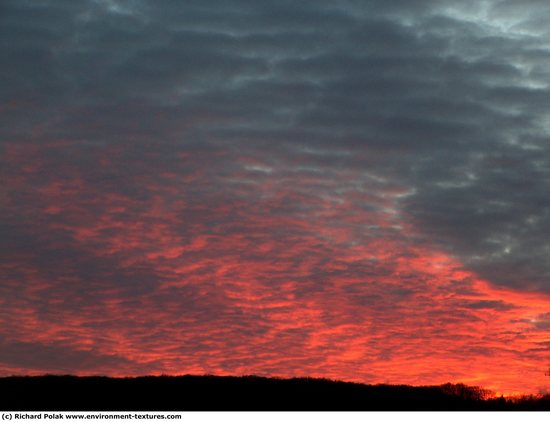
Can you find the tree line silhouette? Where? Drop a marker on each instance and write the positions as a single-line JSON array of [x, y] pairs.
[[213, 393]]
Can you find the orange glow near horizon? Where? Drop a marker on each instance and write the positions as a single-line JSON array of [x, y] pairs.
[[274, 278]]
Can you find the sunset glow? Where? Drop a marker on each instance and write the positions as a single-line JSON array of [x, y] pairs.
[[315, 192]]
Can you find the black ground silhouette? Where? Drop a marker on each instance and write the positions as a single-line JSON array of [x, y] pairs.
[[202, 393]]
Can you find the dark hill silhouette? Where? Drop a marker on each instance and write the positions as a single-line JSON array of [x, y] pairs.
[[201, 393]]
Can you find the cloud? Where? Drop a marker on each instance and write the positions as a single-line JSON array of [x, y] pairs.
[[53, 358], [237, 176]]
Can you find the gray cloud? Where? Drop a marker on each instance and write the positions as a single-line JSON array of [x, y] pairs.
[[55, 358], [446, 99]]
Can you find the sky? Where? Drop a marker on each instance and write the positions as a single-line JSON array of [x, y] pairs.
[[355, 190]]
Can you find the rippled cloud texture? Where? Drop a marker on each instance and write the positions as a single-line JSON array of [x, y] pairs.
[[356, 190]]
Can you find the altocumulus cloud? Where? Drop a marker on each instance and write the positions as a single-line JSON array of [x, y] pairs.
[[148, 148], [450, 98]]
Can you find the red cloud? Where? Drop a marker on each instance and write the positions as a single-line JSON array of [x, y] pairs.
[[191, 270]]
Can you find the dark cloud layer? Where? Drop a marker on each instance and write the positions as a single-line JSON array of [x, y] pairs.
[[450, 97], [146, 142], [54, 358]]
